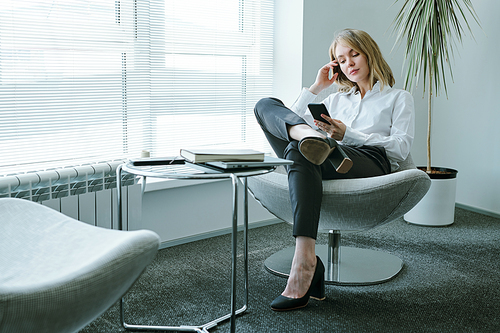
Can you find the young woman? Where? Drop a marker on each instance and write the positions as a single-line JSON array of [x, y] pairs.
[[370, 130]]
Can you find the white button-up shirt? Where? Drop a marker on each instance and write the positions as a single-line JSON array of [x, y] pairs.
[[382, 118]]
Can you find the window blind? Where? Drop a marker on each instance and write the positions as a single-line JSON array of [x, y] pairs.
[[84, 81]]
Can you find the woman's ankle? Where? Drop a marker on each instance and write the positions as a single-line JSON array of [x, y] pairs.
[[300, 131]]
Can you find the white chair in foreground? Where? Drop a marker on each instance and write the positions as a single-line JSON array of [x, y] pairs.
[[352, 205], [58, 274]]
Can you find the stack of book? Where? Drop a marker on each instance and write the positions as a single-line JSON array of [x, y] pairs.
[[204, 155]]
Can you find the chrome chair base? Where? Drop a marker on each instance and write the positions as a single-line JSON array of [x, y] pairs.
[[355, 266], [184, 328]]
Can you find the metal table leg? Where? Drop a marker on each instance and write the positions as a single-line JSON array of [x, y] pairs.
[[234, 239]]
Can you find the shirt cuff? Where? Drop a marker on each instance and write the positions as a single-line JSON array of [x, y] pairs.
[[353, 137]]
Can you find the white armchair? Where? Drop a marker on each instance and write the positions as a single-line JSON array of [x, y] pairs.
[[58, 274], [351, 205]]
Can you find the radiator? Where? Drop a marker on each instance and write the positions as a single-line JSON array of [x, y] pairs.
[[87, 193]]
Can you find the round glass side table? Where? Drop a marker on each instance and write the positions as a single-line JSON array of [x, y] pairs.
[[179, 169]]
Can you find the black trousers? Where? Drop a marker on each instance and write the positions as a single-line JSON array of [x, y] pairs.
[[305, 178]]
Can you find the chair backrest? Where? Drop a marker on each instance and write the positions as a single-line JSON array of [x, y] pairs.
[[58, 274]]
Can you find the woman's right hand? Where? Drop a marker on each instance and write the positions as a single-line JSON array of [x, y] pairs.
[[322, 79]]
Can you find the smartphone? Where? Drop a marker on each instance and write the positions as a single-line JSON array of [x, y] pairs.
[[332, 71], [317, 110]]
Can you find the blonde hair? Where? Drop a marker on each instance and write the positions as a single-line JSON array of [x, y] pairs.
[[362, 43]]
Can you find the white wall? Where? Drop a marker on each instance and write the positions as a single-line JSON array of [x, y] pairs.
[[181, 211], [288, 49], [465, 124]]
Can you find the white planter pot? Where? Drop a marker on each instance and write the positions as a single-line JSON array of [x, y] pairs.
[[437, 207]]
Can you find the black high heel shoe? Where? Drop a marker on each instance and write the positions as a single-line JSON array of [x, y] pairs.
[[316, 290], [317, 150]]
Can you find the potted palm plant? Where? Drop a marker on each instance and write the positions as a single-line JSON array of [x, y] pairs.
[[430, 29]]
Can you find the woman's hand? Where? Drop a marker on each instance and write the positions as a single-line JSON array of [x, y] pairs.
[[322, 78], [335, 130]]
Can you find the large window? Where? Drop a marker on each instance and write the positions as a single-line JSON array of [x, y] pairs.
[[84, 81]]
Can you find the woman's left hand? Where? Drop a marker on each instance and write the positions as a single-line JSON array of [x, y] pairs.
[[335, 128]]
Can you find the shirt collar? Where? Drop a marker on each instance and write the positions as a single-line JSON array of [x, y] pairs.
[[375, 89]]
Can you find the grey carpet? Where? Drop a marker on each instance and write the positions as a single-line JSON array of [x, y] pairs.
[[450, 283]]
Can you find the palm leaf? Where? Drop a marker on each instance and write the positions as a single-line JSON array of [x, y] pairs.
[[431, 29]]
